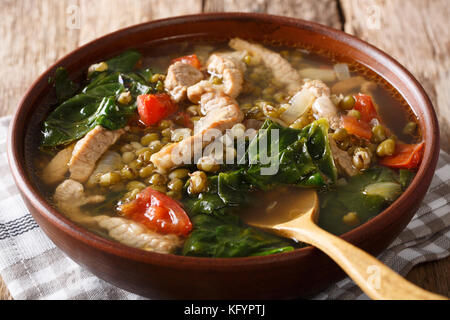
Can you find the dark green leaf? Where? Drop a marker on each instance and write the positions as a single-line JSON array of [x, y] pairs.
[[302, 158], [214, 237], [124, 62], [64, 87], [405, 177], [96, 104]]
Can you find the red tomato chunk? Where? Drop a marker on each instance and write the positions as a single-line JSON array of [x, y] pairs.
[[191, 59], [152, 108], [157, 212]]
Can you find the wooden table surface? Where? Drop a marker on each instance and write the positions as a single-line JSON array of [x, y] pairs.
[[35, 33]]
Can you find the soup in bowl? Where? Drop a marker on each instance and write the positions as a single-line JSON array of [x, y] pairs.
[[160, 148], [150, 158]]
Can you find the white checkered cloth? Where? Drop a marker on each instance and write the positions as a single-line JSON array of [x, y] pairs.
[[33, 268]]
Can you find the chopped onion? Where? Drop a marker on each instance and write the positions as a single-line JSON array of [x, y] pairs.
[[342, 71], [327, 75], [388, 190], [299, 104]]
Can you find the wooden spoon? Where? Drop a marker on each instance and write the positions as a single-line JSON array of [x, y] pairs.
[[372, 276]]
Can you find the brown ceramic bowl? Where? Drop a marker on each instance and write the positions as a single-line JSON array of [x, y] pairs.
[[294, 274]]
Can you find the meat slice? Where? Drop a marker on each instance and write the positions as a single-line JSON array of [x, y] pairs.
[[280, 67], [224, 114], [89, 149], [195, 92], [57, 168], [136, 235], [220, 118], [323, 107], [213, 100], [317, 87], [180, 76], [69, 197], [227, 65], [232, 70], [342, 159]]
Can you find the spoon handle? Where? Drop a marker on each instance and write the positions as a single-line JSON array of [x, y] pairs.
[[372, 276]]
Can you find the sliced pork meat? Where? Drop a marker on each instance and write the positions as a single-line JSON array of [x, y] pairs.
[[89, 149], [231, 69], [280, 67], [342, 159], [213, 100], [136, 235], [69, 197], [228, 66], [196, 91], [323, 107], [317, 87], [224, 115], [57, 168], [180, 76]]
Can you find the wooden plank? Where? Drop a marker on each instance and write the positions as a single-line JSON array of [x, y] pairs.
[[33, 36], [322, 11], [36, 33], [416, 33], [104, 16], [420, 40]]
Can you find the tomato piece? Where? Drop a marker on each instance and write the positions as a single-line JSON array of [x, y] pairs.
[[406, 156], [364, 104], [357, 127], [191, 59], [154, 107], [157, 212]]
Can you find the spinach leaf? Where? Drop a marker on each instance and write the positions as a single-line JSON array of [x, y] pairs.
[[96, 103], [298, 157], [232, 189], [124, 62], [77, 116], [337, 203], [64, 87], [303, 158], [405, 177], [214, 237], [226, 191]]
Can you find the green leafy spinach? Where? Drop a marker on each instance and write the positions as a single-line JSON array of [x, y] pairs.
[[304, 160], [96, 104], [215, 237]]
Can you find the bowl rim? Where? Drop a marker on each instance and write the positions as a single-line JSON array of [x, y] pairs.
[[53, 216]]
